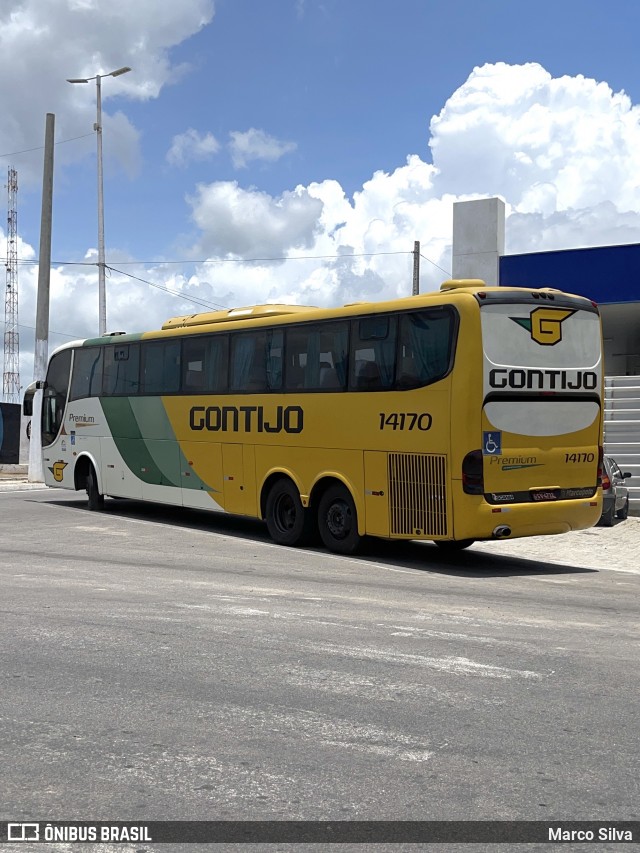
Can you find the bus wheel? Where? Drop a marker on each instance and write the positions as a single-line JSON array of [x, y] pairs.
[[454, 544], [288, 522], [338, 520], [95, 501]]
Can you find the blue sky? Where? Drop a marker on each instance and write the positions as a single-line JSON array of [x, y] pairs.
[[320, 96]]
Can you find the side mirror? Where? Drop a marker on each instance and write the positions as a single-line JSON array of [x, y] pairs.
[[27, 403], [626, 475]]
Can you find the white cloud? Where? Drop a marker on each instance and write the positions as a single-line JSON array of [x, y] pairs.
[[546, 144], [191, 145], [46, 41], [255, 144], [246, 223]]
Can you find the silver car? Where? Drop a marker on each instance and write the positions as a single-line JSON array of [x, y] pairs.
[[614, 493]]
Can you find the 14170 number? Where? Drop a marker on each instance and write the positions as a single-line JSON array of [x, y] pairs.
[[579, 457], [406, 420]]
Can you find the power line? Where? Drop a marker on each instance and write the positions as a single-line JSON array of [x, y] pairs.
[[179, 293], [41, 147], [61, 334], [267, 260], [446, 272], [205, 261]]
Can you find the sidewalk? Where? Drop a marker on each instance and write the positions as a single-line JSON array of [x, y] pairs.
[[615, 548], [15, 477]]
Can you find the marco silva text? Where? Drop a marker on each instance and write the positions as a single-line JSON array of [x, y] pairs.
[[602, 833]]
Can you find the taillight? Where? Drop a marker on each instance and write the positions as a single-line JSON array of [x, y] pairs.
[[606, 482], [600, 465], [472, 474]]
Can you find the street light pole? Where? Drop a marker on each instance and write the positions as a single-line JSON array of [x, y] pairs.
[[102, 290], [102, 293]]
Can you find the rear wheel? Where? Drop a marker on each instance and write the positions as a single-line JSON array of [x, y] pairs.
[[287, 520], [454, 544], [338, 520], [624, 512], [95, 500]]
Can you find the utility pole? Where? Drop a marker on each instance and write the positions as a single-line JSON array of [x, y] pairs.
[[11, 375], [416, 268], [36, 473]]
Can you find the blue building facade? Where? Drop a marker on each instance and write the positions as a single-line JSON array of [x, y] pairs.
[[610, 275]]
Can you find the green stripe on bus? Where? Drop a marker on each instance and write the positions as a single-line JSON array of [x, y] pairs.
[[156, 459]]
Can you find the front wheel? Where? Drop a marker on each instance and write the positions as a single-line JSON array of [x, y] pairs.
[[338, 520], [95, 500], [624, 512], [454, 544], [287, 520]]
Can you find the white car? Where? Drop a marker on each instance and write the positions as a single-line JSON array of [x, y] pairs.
[[614, 492]]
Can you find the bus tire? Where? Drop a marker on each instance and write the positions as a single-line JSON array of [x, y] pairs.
[[454, 544], [95, 500], [287, 520], [338, 520]]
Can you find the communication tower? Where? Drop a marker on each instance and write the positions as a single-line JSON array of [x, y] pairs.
[[11, 375]]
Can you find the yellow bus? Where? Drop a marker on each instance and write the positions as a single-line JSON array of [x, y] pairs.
[[471, 413]]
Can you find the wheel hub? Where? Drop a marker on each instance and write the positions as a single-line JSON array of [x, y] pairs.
[[285, 513], [339, 519]]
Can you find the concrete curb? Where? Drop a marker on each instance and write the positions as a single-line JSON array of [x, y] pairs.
[[19, 485]]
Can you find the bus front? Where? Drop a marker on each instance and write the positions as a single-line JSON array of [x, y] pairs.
[[534, 464]]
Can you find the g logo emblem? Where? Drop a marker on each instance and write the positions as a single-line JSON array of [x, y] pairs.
[[58, 470], [544, 324]]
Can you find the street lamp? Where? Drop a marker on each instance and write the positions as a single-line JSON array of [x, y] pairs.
[[102, 298]]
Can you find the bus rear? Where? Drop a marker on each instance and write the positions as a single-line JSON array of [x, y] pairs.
[[534, 466]]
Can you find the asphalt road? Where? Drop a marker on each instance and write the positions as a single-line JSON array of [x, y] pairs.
[[167, 664]]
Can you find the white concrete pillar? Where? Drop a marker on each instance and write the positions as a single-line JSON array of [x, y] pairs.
[[478, 239]]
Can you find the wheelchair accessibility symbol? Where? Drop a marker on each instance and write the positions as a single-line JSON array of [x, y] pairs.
[[491, 443]]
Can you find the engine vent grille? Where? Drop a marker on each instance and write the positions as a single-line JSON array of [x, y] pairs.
[[418, 494]]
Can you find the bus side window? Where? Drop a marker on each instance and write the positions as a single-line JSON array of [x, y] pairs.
[[248, 367], [296, 357], [294, 372], [328, 376], [274, 359], [316, 356], [256, 361], [368, 376], [121, 375], [55, 396], [86, 378], [373, 352], [160, 367], [425, 342], [205, 364]]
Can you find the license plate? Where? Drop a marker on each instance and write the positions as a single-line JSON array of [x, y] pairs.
[[542, 495]]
